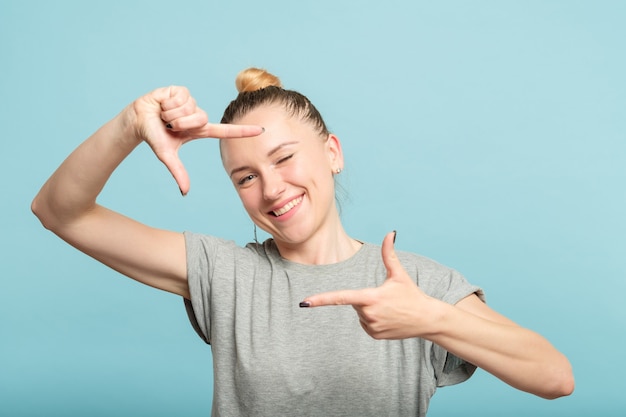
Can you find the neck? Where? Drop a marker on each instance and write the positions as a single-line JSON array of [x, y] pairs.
[[325, 248]]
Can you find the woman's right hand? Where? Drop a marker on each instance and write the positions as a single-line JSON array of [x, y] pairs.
[[66, 204], [169, 117]]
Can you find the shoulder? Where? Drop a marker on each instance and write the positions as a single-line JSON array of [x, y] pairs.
[[437, 280], [434, 278], [423, 264], [198, 244], [410, 261]]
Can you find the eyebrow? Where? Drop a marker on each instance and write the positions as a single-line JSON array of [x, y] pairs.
[[269, 154]]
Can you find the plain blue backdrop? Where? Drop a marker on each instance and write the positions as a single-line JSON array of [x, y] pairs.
[[490, 134]]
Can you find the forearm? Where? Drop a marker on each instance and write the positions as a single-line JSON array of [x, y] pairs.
[[518, 356], [165, 119], [72, 189]]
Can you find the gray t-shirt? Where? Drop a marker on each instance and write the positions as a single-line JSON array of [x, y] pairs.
[[273, 358]]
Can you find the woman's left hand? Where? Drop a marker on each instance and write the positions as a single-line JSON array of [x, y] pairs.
[[398, 309]]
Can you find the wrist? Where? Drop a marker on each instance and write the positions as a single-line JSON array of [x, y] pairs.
[[126, 124], [439, 313]]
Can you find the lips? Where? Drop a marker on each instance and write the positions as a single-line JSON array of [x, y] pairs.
[[287, 207]]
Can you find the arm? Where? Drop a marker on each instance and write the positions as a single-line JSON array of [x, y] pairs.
[[399, 309], [66, 204], [518, 356]]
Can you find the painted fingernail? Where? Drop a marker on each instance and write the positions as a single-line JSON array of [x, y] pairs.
[[262, 129], [181, 192], [394, 236], [305, 304], [169, 125]]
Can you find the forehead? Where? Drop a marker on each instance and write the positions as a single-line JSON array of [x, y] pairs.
[[280, 127]]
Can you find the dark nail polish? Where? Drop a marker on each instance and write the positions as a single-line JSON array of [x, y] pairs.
[[305, 304], [169, 125], [181, 192], [263, 129], [394, 236]]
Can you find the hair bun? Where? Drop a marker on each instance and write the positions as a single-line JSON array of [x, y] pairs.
[[253, 79]]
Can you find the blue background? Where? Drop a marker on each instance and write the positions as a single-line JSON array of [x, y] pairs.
[[490, 134]]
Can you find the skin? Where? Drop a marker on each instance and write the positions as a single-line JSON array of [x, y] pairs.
[[288, 162], [471, 330], [66, 204]]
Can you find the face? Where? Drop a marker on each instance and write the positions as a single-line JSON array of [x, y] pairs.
[[284, 177]]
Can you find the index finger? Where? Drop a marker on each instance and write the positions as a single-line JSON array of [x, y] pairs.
[[337, 298], [228, 131]]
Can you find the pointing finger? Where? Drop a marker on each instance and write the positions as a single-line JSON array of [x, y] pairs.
[[335, 298], [227, 131], [212, 130]]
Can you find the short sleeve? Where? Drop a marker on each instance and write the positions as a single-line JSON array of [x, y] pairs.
[[213, 265], [201, 254], [450, 369]]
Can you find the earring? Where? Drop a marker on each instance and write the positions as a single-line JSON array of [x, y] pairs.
[[338, 171]]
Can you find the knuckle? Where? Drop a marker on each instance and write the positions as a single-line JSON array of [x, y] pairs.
[[372, 296], [372, 319], [204, 117], [176, 101], [341, 300], [178, 89], [179, 97]]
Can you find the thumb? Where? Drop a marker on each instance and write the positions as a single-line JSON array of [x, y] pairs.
[[178, 171], [390, 259]]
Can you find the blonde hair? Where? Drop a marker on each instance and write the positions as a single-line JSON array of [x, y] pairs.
[[257, 87], [253, 79]]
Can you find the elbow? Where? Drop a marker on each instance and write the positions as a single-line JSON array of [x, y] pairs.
[[561, 385], [56, 216], [549, 379], [564, 388], [42, 212], [37, 209]]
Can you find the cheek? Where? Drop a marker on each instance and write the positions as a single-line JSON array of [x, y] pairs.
[[321, 169], [315, 168], [247, 199], [320, 178]]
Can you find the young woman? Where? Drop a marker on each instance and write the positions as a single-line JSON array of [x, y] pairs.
[[415, 325]]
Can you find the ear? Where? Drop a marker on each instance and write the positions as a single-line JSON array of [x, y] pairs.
[[334, 152]]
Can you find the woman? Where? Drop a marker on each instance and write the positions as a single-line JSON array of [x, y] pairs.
[[424, 325]]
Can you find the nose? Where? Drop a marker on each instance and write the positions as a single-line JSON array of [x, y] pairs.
[[273, 185]]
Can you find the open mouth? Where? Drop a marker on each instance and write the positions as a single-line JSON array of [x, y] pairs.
[[287, 207]]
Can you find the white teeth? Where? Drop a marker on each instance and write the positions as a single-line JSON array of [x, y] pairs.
[[284, 209]]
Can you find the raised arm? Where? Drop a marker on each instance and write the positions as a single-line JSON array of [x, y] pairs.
[[66, 204]]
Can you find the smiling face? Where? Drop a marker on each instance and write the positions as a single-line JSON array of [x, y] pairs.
[[284, 177]]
